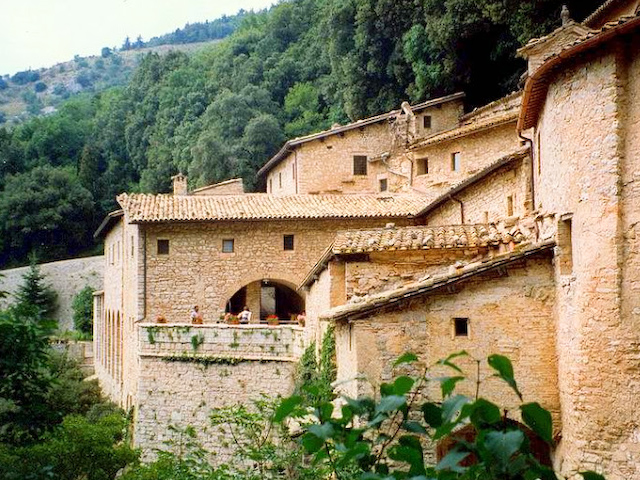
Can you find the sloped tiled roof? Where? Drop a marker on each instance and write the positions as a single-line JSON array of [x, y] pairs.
[[537, 85], [467, 129], [420, 238], [373, 303], [349, 242], [261, 206]]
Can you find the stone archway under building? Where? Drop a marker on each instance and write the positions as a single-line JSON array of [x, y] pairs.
[[267, 297]]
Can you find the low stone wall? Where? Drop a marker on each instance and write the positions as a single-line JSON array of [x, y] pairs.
[[67, 278], [247, 342], [186, 370]]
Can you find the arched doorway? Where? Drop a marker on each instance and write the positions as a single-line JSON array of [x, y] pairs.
[[267, 297]]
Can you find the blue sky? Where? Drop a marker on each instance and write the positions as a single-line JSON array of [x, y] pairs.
[[41, 33]]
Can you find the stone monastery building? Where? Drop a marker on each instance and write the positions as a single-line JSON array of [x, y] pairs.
[[512, 229]]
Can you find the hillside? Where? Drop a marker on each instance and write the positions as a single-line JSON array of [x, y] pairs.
[[52, 86], [223, 110]]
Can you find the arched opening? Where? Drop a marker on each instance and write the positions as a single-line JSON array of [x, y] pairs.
[[267, 298], [538, 447]]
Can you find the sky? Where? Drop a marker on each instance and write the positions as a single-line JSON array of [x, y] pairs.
[[41, 33]]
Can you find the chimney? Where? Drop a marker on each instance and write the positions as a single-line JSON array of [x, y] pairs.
[[179, 184]]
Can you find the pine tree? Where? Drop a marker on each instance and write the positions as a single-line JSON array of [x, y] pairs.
[[35, 295]]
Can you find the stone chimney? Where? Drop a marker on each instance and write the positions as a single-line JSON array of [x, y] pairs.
[[180, 184]]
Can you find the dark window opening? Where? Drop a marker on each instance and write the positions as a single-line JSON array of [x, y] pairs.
[[509, 206], [426, 121], [227, 245], [422, 166], [163, 247], [461, 327], [383, 184], [288, 242], [359, 164], [565, 246], [280, 180]]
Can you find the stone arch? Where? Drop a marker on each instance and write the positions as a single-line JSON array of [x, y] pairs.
[[264, 297], [539, 448], [284, 278]]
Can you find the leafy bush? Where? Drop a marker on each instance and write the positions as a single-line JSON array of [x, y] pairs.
[[40, 87], [385, 438], [27, 76], [83, 310]]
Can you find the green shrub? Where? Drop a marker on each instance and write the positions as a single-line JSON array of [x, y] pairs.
[[83, 310]]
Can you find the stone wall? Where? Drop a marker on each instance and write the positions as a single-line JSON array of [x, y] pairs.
[[67, 278], [500, 195], [197, 272], [230, 365], [511, 314], [326, 164], [584, 174], [477, 151]]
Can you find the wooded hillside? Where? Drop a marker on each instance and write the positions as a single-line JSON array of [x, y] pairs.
[[225, 110]]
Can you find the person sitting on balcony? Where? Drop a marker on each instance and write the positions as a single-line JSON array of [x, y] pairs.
[[196, 316], [245, 315]]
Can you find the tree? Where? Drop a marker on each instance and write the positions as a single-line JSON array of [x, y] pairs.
[[40, 87], [35, 295], [106, 52], [83, 310], [45, 210]]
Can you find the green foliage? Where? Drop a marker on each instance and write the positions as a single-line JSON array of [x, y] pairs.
[[40, 87], [25, 77], [384, 438], [315, 375], [35, 295], [83, 310], [24, 376], [78, 449]]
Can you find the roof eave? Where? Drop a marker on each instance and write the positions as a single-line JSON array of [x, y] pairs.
[[536, 86], [109, 220], [358, 312]]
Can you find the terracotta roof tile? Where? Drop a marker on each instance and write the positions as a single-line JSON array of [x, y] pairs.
[[421, 238], [391, 298], [260, 206]]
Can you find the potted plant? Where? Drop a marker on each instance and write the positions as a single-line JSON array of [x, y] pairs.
[[161, 319], [272, 320], [233, 320]]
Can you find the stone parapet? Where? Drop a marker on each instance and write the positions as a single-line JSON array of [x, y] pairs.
[[221, 341]]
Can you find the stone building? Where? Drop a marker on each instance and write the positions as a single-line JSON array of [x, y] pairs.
[[510, 229]]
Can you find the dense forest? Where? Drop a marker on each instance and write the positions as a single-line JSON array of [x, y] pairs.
[[223, 111]]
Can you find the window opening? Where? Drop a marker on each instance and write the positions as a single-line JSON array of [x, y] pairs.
[[227, 245], [288, 242], [455, 161], [461, 327], [163, 247], [426, 121], [423, 166], [359, 164], [383, 184], [510, 206]]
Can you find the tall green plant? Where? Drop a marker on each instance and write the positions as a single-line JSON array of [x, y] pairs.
[[83, 310], [36, 296], [384, 439]]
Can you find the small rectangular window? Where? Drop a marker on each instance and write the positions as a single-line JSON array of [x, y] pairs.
[[359, 164], [280, 180], [227, 245], [509, 206], [271, 185], [383, 184], [426, 121], [565, 244], [132, 246], [288, 242], [293, 171], [461, 327], [163, 247], [422, 167], [455, 162]]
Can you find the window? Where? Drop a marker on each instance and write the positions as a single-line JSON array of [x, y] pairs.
[[564, 242], [455, 162], [163, 247], [293, 171], [422, 166], [227, 245], [383, 184], [280, 180], [426, 121], [132, 246], [359, 164], [271, 185], [288, 242], [461, 327], [509, 206]]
